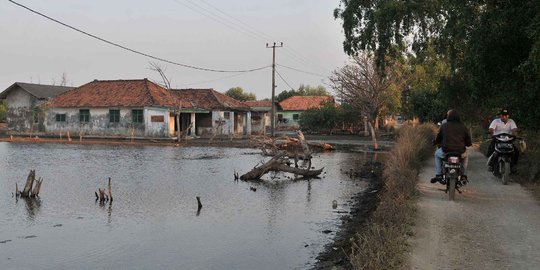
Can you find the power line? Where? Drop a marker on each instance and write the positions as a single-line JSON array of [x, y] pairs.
[[284, 80], [211, 15], [307, 72], [214, 80], [262, 35], [247, 29], [132, 50]]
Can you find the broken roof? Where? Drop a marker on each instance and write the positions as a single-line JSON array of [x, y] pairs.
[[40, 91], [210, 99], [119, 93], [303, 103]]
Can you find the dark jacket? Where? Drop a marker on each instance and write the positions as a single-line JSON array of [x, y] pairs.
[[453, 136]]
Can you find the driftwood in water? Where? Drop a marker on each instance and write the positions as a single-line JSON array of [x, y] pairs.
[[277, 163], [29, 189], [294, 146]]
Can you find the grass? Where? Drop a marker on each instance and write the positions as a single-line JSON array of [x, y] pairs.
[[382, 242]]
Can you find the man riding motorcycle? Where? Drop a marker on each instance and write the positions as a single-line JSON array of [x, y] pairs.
[[453, 136], [503, 125]]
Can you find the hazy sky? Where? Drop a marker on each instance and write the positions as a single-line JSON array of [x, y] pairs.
[[223, 35]]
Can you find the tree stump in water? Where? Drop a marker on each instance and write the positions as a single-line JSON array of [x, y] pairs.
[[102, 195], [29, 189]]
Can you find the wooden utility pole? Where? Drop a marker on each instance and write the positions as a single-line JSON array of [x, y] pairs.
[[273, 111]]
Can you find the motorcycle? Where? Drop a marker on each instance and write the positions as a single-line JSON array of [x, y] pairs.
[[452, 175], [502, 156]]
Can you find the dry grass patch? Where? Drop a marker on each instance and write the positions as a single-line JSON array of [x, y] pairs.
[[382, 243]]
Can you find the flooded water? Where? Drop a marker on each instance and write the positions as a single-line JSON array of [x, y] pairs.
[[153, 223]]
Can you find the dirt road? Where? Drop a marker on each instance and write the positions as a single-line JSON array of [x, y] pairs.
[[488, 226]]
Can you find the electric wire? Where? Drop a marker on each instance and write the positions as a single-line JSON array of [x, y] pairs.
[[214, 80], [299, 70], [211, 15], [135, 51], [283, 79], [295, 55]]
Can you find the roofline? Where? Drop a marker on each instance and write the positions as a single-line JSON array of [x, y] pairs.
[[3, 94]]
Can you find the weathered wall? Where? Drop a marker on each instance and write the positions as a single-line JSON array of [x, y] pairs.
[[19, 112], [154, 126], [100, 125], [260, 122]]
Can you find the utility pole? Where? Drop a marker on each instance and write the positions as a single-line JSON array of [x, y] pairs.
[[273, 112]]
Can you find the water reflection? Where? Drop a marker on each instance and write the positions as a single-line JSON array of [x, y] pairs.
[[276, 226], [32, 205]]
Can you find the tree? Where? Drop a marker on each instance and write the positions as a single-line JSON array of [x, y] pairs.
[[361, 86], [167, 84], [238, 93], [492, 47], [303, 90]]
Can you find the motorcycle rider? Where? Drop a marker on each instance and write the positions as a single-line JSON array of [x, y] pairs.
[[503, 125], [453, 136]]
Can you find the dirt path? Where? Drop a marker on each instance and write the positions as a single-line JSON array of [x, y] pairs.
[[488, 226]]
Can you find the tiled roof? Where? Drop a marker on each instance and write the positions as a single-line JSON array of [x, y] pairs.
[[39, 91], [303, 103], [210, 99], [259, 103], [119, 93]]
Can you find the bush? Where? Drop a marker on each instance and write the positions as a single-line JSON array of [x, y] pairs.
[[382, 243]]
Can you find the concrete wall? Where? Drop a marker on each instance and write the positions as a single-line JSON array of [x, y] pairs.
[[100, 125], [20, 106], [260, 122]]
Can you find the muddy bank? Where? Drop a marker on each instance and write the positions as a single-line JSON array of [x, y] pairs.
[[364, 203]]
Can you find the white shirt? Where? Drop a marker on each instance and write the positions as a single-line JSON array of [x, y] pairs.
[[499, 126]]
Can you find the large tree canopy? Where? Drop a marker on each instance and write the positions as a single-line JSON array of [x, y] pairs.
[[492, 48]]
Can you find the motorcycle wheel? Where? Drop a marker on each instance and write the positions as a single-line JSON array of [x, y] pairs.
[[505, 172], [451, 187]]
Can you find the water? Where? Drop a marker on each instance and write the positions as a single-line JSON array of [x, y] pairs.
[[153, 221]]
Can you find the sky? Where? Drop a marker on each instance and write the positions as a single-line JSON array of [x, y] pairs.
[[221, 35]]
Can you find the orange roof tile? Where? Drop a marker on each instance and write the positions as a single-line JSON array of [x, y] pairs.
[[259, 103], [303, 103], [210, 99], [118, 93]]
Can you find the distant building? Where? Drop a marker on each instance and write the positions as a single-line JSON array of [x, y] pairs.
[[260, 115], [224, 115], [291, 109], [23, 105]]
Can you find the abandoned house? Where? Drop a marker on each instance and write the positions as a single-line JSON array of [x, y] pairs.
[[23, 105], [223, 116], [136, 108], [260, 115], [288, 116]]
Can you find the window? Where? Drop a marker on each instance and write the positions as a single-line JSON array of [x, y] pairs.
[[114, 116], [84, 115], [60, 117], [295, 116], [226, 115], [35, 115], [137, 116]]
